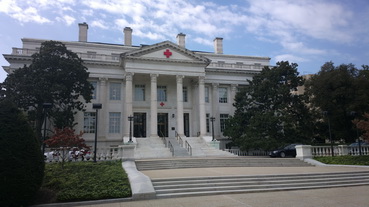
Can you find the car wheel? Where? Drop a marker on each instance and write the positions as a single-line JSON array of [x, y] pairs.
[[283, 154]]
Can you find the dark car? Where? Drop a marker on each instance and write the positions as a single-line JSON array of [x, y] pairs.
[[356, 144], [287, 151]]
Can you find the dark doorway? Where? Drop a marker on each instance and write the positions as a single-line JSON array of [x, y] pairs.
[[163, 124], [186, 123], [139, 125]]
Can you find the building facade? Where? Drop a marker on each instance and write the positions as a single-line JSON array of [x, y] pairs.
[[167, 88]]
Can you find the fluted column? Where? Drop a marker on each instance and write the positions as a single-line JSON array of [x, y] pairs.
[[233, 96], [215, 106], [202, 113], [128, 103], [180, 126], [102, 114], [154, 107]]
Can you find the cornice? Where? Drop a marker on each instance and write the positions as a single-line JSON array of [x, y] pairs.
[[231, 71]]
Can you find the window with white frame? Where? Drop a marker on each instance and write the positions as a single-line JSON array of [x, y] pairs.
[[139, 92], [115, 89], [208, 123], [207, 94], [114, 122], [89, 121], [185, 94], [162, 93], [223, 96], [222, 120], [94, 91]]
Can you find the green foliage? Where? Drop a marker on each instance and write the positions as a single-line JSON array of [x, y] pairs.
[[267, 114], [340, 90], [22, 164], [344, 160], [80, 181], [56, 75]]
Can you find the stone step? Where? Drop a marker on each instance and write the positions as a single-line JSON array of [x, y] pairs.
[[220, 162], [177, 187]]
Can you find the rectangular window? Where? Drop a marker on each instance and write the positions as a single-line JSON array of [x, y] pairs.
[[222, 120], [115, 56], [94, 92], [114, 122], [91, 55], [89, 122], [208, 123], [185, 95], [115, 91], [207, 94], [162, 93], [223, 95], [139, 92]]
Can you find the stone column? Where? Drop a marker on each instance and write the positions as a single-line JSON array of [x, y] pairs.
[[128, 103], [202, 112], [215, 111], [180, 126], [233, 95], [154, 107], [102, 112]]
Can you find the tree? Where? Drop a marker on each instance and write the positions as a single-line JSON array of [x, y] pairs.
[[22, 163], [363, 125], [340, 90], [56, 75], [268, 113]]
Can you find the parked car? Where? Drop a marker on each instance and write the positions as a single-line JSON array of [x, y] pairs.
[[356, 144], [287, 151]]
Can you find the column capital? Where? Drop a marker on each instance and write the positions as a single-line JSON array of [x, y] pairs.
[[153, 77], [129, 76], [103, 80], [234, 87], [215, 85], [179, 78], [201, 79]]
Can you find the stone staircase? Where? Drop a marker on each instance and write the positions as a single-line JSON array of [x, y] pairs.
[[202, 149], [160, 164], [196, 186], [178, 150], [151, 148]]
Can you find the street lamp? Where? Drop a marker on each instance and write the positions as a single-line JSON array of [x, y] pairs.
[[45, 106], [353, 113], [326, 113], [212, 119], [130, 119], [96, 106]]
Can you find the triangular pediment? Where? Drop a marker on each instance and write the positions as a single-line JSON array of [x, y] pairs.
[[165, 51]]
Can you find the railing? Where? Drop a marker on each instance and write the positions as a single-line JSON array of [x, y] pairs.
[[234, 66], [85, 56], [171, 148], [238, 152], [318, 151], [188, 147], [179, 139], [103, 153], [167, 142]]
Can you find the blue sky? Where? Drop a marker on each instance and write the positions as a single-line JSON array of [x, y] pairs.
[[307, 32]]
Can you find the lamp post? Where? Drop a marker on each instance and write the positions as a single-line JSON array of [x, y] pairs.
[[96, 106], [353, 113], [130, 119], [212, 119], [326, 113], [45, 106]]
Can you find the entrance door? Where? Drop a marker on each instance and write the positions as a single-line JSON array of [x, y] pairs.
[[163, 124], [139, 125], [186, 123]]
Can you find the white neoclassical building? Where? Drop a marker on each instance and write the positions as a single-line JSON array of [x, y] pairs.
[[167, 88]]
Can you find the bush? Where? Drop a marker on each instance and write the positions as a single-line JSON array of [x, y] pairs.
[[345, 160], [22, 164]]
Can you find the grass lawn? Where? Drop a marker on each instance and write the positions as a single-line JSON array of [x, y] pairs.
[[80, 181], [344, 160]]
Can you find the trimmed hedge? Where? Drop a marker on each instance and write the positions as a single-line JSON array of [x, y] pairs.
[[345, 160], [21, 159]]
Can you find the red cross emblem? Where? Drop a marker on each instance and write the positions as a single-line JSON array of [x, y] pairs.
[[162, 104], [168, 53]]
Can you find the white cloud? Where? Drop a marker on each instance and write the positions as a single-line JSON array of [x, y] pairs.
[[99, 23], [289, 57], [203, 41], [69, 20], [29, 15]]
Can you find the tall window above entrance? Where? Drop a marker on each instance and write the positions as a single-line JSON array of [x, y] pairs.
[[223, 96], [162, 93], [139, 92], [185, 94], [115, 91], [89, 122], [223, 119]]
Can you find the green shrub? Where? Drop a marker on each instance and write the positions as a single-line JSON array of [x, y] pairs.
[[79, 181], [344, 160], [21, 159]]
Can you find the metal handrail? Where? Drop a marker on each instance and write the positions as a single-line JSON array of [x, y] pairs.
[[167, 143], [171, 148], [188, 147], [179, 139]]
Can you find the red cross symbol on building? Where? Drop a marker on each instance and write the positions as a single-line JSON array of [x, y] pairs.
[[168, 53], [162, 104]]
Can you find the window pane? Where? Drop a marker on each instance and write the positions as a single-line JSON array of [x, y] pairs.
[[223, 118], [114, 122], [94, 84], [162, 93], [208, 123], [185, 95], [223, 95], [115, 91], [89, 122], [139, 92], [207, 94]]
